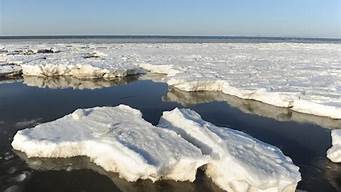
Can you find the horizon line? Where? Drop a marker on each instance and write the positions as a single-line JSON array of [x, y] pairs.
[[164, 36]]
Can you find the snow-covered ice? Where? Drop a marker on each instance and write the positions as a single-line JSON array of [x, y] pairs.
[[334, 153], [238, 162], [70, 60], [117, 139], [182, 142], [304, 77], [248, 106], [9, 70]]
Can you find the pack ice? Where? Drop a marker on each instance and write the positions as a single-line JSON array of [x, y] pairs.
[[119, 140], [304, 77], [78, 61], [334, 153]]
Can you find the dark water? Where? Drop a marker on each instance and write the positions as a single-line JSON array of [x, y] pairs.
[[304, 138]]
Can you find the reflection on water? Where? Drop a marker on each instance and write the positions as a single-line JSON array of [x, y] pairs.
[[64, 82], [248, 106], [83, 163], [302, 137]]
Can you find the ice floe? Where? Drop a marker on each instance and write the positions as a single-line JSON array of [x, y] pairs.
[[238, 162], [79, 67], [334, 153], [9, 70], [119, 140]]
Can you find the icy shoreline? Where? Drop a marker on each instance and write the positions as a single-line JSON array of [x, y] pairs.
[[303, 77], [175, 149]]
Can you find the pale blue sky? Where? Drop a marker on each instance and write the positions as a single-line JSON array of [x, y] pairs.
[[298, 18]]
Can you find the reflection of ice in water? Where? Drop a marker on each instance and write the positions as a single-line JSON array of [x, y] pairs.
[[10, 80], [248, 106], [17, 173], [202, 183], [64, 82]]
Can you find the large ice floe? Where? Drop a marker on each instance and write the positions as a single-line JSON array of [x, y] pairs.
[[238, 162], [119, 140], [334, 153], [305, 77]]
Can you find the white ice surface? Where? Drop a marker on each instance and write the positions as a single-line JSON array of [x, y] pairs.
[[117, 139], [301, 76], [75, 65], [334, 153], [248, 106], [239, 163], [9, 70]]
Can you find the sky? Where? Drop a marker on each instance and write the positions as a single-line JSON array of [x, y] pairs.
[[280, 18]]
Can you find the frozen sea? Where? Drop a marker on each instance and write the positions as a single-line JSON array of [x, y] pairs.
[[30, 101]]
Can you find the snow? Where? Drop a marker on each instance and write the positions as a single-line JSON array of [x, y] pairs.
[[117, 139], [175, 149], [304, 77], [238, 162], [334, 153]]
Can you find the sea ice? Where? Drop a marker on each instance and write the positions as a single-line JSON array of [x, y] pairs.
[[334, 153], [80, 67], [186, 99], [117, 139], [304, 77], [238, 162], [9, 70]]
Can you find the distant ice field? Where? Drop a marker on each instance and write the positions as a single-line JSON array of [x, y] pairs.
[[305, 77]]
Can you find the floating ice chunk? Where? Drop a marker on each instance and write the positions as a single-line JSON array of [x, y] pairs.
[[238, 162], [334, 153], [80, 67], [9, 70], [117, 139]]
